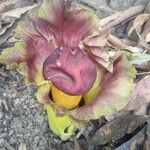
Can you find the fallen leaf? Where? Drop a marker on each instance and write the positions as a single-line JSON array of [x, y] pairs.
[[17, 12], [109, 19], [138, 23], [143, 43], [141, 26], [140, 95], [5, 28], [118, 43], [117, 129], [6, 5], [10, 13], [124, 15], [109, 23]]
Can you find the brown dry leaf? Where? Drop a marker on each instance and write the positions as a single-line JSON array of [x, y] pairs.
[[97, 40], [17, 12], [123, 16], [142, 27], [107, 25], [22, 146], [143, 42], [138, 23], [3, 30], [118, 43], [11, 11], [141, 94], [6, 5], [117, 128], [109, 19]]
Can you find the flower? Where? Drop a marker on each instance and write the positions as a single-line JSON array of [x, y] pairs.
[[77, 79]]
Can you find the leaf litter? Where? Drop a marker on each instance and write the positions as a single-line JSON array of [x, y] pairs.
[[135, 114]]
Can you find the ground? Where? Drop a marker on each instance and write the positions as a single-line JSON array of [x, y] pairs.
[[22, 118]]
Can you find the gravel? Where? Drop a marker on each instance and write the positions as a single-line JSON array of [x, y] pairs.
[[22, 119]]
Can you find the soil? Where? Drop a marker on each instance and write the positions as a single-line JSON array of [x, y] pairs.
[[22, 118]]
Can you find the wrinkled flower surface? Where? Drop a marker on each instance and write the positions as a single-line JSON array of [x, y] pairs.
[[55, 47]]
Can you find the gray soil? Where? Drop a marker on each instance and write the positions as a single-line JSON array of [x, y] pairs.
[[22, 118]]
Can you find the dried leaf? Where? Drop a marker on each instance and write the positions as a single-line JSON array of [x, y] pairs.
[[17, 12], [141, 94], [107, 25], [109, 19], [99, 41], [119, 44], [6, 5], [5, 29], [146, 28], [141, 26], [8, 33], [117, 128], [138, 23], [124, 15], [143, 42]]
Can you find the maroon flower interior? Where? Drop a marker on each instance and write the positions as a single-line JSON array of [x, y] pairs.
[[70, 70]]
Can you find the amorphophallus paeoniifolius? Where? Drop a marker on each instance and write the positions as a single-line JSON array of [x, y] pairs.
[[77, 81]]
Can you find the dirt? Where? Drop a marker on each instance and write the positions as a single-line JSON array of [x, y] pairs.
[[22, 118]]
